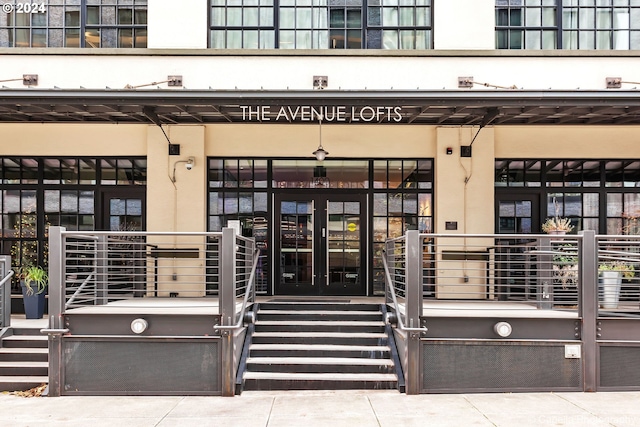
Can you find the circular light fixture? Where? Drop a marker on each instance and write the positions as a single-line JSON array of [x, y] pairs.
[[138, 326], [320, 153], [503, 329]]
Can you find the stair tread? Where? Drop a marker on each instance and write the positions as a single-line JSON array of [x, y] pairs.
[[321, 322], [319, 361], [319, 312], [23, 378], [24, 350], [26, 338], [321, 334], [325, 347], [4, 364], [333, 376]]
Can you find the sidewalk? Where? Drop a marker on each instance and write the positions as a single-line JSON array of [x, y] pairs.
[[327, 409]]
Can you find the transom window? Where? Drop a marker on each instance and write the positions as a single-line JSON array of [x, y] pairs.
[[568, 24], [79, 23], [320, 24]]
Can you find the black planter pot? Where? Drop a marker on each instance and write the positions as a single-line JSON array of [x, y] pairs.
[[33, 304]]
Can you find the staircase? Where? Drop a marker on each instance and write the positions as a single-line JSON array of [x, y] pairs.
[[23, 360], [312, 345]]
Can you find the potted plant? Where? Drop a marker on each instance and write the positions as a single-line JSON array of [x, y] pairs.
[[557, 225], [34, 280], [611, 275]]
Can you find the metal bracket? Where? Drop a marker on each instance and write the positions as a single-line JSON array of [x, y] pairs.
[[465, 82], [174, 81], [320, 82], [614, 82], [30, 79]]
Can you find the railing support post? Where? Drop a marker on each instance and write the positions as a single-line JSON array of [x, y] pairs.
[[5, 264], [102, 268], [589, 307], [413, 307], [227, 307], [56, 308]]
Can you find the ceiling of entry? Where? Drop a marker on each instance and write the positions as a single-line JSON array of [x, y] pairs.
[[446, 107]]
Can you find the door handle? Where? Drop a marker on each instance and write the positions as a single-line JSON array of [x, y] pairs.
[[323, 232]]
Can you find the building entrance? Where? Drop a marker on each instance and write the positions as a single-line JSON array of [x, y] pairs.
[[320, 242]]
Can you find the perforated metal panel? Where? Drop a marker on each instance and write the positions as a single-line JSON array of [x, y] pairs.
[[620, 366], [498, 366], [134, 367]]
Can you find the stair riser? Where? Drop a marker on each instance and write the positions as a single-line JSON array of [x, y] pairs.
[[26, 331], [251, 384], [311, 306], [320, 340], [23, 371], [7, 343], [333, 317], [24, 357], [320, 328], [18, 385], [318, 369], [320, 353]]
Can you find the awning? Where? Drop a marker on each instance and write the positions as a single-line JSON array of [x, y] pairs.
[[444, 107]]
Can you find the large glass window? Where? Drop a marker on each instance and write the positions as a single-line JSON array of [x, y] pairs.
[[568, 24], [36, 193], [598, 195], [79, 23], [320, 24]]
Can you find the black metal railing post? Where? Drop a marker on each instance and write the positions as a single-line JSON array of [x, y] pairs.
[[588, 306]]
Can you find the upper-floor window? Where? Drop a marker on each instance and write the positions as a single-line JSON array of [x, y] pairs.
[[568, 24], [320, 24], [74, 23]]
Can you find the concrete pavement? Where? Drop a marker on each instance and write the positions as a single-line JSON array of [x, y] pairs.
[[327, 408]]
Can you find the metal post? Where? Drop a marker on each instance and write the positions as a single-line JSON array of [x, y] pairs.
[[227, 307], [588, 309], [56, 309], [5, 267], [102, 268], [413, 303], [544, 287]]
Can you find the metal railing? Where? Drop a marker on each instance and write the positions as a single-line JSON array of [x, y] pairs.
[[5, 291], [619, 270]]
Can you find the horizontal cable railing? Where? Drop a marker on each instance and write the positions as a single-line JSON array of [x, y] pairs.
[[106, 267], [618, 275], [542, 271]]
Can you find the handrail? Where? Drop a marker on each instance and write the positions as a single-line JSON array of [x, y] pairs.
[[82, 286], [240, 321], [7, 277], [395, 300]]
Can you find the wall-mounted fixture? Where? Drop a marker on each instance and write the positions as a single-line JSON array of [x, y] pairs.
[[449, 151], [468, 82], [320, 82], [171, 81], [139, 325], [189, 164], [502, 329], [27, 80], [616, 82], [320, 153]]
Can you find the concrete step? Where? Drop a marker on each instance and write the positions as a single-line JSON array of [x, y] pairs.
[[338, 365], [25, 341], [333, 315], [24, 354], [26, 331], [317, 381], [344, 338], [311, 306], [319, 350], [319, 326], [24, 368], [21, 383]]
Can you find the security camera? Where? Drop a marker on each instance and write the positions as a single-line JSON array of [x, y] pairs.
[[189, 166]]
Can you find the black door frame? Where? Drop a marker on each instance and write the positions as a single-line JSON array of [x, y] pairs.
[[319, 286], [139, 192]]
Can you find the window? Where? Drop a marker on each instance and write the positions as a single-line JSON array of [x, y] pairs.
[[104, 23], [603, 196], [568, 24], [320, 24]]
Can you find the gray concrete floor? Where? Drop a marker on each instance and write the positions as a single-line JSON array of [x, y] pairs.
[[327, 408]]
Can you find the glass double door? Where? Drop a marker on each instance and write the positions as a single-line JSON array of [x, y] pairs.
[[320, 244]]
